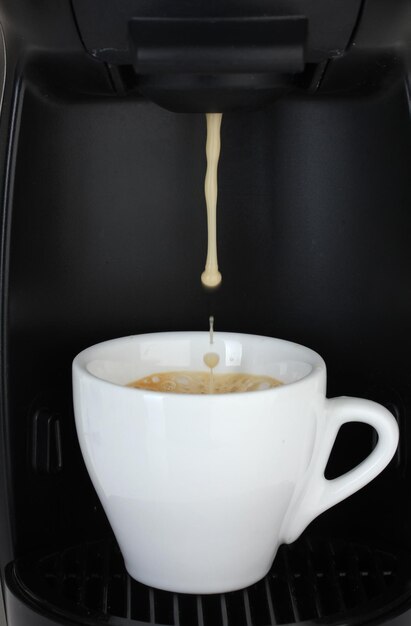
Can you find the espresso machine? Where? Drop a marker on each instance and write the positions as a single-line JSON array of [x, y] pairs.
[[103, 234]]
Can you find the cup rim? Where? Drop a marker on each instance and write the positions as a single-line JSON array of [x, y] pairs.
[[82, 359]]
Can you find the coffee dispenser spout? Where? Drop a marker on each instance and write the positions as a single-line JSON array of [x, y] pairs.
[[215, 64], [210, 57]]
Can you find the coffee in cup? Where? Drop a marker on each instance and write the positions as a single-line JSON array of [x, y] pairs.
[[202, 382]]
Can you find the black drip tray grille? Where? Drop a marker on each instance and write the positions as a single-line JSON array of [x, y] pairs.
[[308, 581]]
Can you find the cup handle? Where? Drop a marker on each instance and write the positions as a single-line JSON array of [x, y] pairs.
[[318, 494]]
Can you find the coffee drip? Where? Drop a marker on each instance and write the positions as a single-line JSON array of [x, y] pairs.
[[211, 277]]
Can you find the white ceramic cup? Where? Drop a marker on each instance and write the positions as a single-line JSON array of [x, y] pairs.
[[201, 490]]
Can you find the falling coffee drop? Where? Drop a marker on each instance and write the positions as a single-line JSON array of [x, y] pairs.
[[211, 359]]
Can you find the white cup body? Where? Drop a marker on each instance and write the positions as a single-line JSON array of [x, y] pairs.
[[199, 490]]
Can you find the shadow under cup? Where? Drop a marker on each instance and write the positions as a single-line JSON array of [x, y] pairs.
[[201, 490]]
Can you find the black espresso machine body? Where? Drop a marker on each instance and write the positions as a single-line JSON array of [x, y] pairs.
[[103, 234]]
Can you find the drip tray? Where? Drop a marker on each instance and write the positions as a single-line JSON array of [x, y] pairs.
[[321, 581]]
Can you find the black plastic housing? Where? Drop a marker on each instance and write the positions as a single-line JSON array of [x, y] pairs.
[[331, 22], [103, 235], [216, 64]]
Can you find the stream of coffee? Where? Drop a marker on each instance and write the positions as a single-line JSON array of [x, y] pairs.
[[211, 277], [208, 382]]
